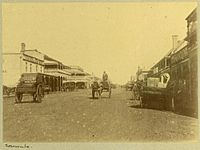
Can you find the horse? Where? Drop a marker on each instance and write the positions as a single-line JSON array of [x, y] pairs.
[[99, 88], [95, 89]]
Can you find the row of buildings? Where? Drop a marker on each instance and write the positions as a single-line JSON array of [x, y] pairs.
[[33, 61], [180, 64]]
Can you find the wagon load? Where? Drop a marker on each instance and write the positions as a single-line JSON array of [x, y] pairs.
[[155, 96], [35, 84], [99, 88]]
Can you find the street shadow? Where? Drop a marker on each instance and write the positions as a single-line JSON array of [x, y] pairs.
[[137, 107], [24, 102], [93, 98], [147, 108], [164, 110], [102, 97], [135, 104]]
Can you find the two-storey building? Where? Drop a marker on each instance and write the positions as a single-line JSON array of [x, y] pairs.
[[57, 69], [184, 71], [25, 61], [193, 60], [78, 77]]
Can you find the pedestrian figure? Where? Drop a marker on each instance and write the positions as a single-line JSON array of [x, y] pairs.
[[105, 76], [135, 92]]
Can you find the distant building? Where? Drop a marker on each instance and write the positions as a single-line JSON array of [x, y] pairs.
[[75, 68], [25, 61], [78, 77], [133, 78], [141, 74]]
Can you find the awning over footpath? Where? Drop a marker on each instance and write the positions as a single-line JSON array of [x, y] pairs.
[[48, 62]]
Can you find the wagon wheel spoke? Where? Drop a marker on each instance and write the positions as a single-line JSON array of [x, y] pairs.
[[18, 97], [93, 93], [110, 93], [35, 97]]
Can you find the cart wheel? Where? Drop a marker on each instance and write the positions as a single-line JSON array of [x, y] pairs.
[[34, 97], [93, 93], [141, 103], [42, 93], [39, 94], [110, 93], [99, 93], [18, 97]]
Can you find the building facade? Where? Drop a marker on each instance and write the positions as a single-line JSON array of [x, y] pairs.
[[78, 77], [180, 63], [26, 61], [193, 61], [56, 68], [184, 71]]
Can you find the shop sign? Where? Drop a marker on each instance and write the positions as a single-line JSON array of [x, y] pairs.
[[33, 60]]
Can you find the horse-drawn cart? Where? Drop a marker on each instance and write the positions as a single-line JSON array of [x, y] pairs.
[[154, 94], [99, 88], [33, 84]]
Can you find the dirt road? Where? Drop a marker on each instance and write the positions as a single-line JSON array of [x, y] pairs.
[[75, 117]]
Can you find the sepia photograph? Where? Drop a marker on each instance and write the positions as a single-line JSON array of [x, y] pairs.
[[99, 72]]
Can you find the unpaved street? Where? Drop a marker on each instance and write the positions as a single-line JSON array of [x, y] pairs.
[[75, 117]]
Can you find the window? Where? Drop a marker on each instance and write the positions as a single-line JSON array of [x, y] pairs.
[[30, 67]]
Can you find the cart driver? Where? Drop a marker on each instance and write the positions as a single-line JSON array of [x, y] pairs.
[[105, 76]]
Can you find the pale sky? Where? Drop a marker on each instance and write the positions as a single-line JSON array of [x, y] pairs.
[[111, 37]]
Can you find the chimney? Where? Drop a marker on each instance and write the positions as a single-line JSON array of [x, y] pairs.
[[174, 41], [23, 47]]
